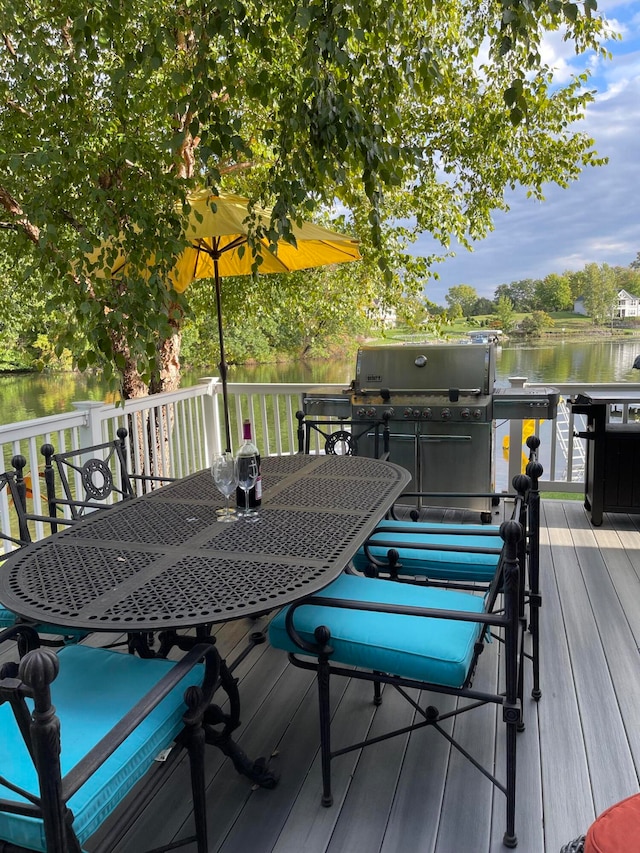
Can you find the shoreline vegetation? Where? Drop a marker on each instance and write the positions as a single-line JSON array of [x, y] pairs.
[[566, 326]]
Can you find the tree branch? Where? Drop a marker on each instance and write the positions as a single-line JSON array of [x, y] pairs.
[[22, 223]]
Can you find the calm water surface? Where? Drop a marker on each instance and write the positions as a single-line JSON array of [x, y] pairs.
[[32, 396]]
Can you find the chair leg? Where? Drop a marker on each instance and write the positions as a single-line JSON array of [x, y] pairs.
[[325, 728], [510, 839], [534, 627], [377, 692], [195, 746]]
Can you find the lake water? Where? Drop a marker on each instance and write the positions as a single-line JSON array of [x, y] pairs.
[[36, 395]]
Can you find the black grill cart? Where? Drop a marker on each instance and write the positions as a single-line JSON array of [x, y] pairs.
[[612, 470]]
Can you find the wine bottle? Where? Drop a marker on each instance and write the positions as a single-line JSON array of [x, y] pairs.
[[248, 448]]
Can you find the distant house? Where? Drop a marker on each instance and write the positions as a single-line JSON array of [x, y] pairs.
[[628, 305], [385, 316], [578, 306]]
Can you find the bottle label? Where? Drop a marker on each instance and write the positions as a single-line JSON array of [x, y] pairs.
[[258, 488]]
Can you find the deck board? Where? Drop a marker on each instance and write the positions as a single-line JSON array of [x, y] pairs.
[[579, 753]]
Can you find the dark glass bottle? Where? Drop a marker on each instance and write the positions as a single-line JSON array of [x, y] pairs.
[[248, 448]]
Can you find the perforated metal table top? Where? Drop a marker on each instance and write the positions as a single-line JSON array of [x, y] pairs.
[[164, 561]]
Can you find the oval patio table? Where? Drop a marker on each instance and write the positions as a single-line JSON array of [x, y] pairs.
[[162, 562]]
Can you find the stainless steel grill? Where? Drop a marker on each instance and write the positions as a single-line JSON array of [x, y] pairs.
[[440, 404]]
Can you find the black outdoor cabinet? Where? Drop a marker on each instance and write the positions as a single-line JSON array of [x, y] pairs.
[[612, 471]]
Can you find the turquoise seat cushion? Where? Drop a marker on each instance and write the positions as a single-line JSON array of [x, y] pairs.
[[94, 689], [7, 618], [435, 650], [71, 635], [430, 562]]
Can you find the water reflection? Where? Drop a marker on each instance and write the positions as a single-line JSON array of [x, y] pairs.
[[587, 361], [318, 370], [36, 395]]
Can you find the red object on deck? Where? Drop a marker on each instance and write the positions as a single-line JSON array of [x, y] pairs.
[[617, 829]]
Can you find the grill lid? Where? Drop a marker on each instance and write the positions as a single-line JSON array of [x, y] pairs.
[[426, 369]]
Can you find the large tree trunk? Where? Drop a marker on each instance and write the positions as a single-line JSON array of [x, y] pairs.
[[167, 375]]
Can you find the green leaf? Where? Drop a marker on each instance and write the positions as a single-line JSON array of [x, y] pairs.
[[570, 11]]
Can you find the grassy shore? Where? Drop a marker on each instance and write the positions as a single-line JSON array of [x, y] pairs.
[[566, 325]]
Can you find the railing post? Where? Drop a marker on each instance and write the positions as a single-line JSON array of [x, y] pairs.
[[213, 444], [90, 432], [515, 435]]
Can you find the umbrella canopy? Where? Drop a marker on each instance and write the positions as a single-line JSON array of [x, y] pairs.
[[218, 227], [217, 232]]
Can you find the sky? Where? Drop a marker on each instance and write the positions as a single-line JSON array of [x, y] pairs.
[[597, 218]]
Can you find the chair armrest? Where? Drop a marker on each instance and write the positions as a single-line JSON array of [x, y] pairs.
[[121, 731], [443, 530], [152, 478], [21, 631], [488, 619]]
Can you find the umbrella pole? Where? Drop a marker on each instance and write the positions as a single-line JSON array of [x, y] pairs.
[[223, 361]]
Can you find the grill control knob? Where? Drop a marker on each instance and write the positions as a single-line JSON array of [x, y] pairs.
[[465, 414], [427, 414], [477, 414], [408, 413], [446, 414], [416, 413], [361, 413], [371, 413]]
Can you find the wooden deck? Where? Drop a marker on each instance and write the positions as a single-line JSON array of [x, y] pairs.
[[580, 751]]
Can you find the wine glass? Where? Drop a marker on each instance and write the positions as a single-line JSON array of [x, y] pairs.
[[247, 467], [225, 475]]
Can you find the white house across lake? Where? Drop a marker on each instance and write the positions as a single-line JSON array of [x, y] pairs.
[[627, 306]]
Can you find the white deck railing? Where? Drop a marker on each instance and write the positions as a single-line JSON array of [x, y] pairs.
[[177, 433]]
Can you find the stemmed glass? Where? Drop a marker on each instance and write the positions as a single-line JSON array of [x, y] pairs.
[[225, 475], [247, 475]]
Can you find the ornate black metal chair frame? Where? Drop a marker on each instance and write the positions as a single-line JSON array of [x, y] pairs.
[[14, 482], [32, 680], [525, 485], [91, 476], [342, 438], [506, 618]]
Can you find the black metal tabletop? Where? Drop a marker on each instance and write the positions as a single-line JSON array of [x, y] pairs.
[[164, 560]]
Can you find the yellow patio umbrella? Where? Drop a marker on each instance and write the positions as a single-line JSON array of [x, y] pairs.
[[217, 232]]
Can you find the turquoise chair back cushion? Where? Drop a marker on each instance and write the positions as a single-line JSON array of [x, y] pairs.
[[439, 565], [93, 691], [428, 649]]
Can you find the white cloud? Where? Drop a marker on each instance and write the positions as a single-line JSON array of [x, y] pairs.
[[597, 219]]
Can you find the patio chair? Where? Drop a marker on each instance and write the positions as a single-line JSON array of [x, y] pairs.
[[343, 440], [464, 556], [413, 636], [80, 728], [17, 538], [92, 478]]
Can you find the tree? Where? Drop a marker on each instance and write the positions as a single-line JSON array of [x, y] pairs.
[[521, 293], [628, 278], [505, 313], [109, 114], [600, 292], [464, 296], [553, 293], [483, 306], [535, 322]]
